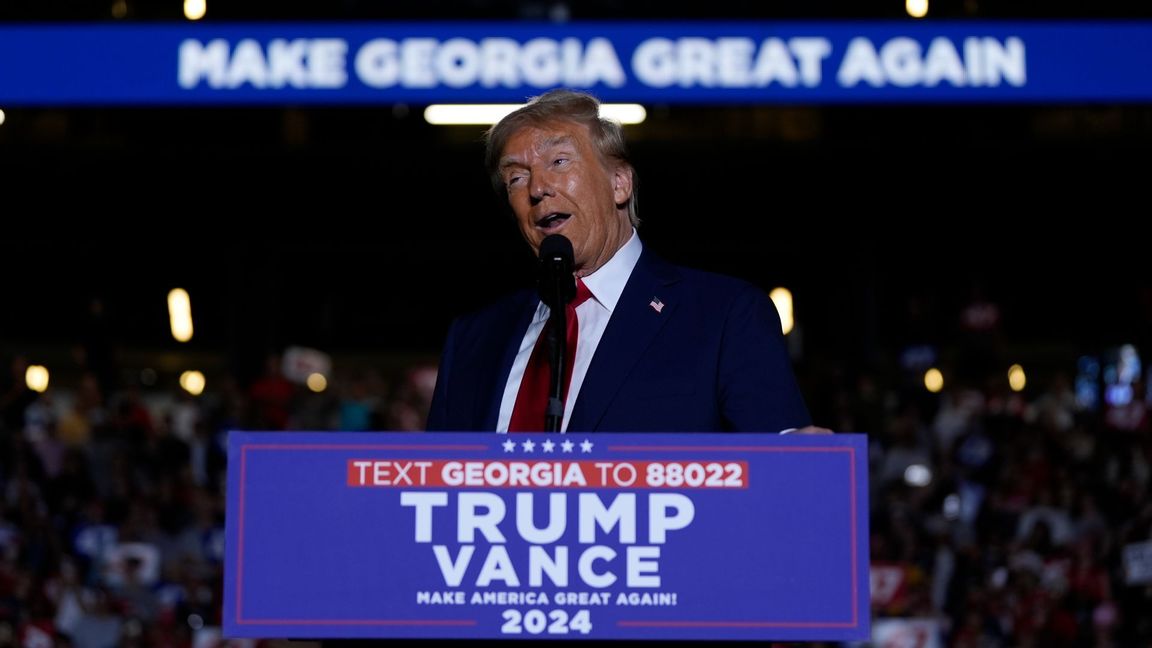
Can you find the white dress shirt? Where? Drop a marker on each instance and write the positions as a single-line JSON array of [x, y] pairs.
[[606, 286]]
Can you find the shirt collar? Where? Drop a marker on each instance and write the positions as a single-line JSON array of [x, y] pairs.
[[607, 283]]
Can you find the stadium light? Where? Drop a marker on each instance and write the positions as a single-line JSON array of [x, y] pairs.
[[486, 114]]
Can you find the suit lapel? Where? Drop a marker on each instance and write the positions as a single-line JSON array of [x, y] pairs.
[[501, 353], [634, 324]]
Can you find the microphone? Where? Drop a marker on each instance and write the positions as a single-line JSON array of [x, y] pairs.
[[555, 282], [557, 287]]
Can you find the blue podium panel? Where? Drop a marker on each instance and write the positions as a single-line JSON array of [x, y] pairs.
[[599, 536]]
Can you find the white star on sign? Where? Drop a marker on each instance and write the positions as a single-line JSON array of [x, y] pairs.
[[528, 446], [585, 446], [567, 445], [509, 445], [548, 445]]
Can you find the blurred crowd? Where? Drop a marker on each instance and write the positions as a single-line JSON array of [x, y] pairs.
[[112, 499], [1002, 518], [999, 517]]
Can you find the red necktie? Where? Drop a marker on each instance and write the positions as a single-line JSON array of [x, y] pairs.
[[532, 399]]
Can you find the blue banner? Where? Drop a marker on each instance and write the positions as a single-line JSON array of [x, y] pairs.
[[670, 62], [604, 536]]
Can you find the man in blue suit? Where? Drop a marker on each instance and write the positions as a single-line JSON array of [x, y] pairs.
[[661, 348]]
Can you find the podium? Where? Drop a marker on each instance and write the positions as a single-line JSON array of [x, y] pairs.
[[547, 536]]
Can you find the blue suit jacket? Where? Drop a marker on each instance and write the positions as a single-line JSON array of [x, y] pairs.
[[711, 359]]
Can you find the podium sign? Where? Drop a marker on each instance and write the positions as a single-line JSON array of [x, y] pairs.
[[548, 536]]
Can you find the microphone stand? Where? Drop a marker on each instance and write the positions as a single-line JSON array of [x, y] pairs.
[[557, 332], [557, 288]]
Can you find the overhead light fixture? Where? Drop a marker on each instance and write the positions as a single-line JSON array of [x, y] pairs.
[[465, 114], [195, 9]]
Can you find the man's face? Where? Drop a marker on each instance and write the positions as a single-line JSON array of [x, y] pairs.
[[557, 184]]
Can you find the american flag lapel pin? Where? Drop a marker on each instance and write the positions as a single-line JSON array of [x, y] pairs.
[[656, 304]]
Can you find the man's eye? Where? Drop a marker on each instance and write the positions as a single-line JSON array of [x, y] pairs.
[[513, 180], [559, 161]]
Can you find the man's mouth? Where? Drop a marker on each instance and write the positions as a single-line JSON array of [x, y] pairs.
[[552, 221]]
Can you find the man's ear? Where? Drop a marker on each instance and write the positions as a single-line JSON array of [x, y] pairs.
[[622, 184]]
